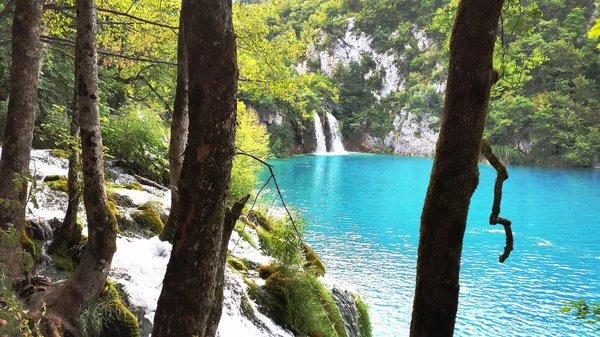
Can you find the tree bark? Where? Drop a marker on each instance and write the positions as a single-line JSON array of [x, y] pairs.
[[22, 104], [87, 281], [69, 223], [191, 300], [179, 133], [455, 174]]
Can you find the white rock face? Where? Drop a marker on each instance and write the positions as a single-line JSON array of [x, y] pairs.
[[351, 48], [412, 135]]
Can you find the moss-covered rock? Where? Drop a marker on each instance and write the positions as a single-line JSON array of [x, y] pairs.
[[236, 264], [57, 183], [133, 186], [364, 320], [244, 234], [148, 219], [265, 271], [122, 200], [64, 263], [28, 245], [107, 316], [156, 206], [261, 220], [301, 303], [313, 264], [246, 306], [68, 248]]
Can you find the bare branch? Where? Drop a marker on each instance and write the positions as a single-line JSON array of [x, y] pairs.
[[486, 149], [270, 167]]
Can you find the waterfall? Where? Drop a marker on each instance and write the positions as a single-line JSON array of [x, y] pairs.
[[336, 136], [321, 148]]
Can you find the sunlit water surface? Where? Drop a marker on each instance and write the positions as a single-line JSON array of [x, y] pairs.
[[364, 215]]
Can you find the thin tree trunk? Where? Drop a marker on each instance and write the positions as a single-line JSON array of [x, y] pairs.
[[73, 184], [455, 174], [88, 279], [22, 104], [179, 133], [191, 300]]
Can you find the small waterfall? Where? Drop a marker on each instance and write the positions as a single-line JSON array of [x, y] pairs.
[[336, 136], [321, 148]]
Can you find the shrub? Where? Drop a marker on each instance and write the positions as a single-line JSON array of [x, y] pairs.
[[137, 137]]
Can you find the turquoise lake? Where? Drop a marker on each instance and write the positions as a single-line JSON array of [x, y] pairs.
[[364, 213]]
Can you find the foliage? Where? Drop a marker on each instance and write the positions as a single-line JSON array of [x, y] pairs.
[[138, 137], [252, 138], [587, 313], [281, 139], [15, 318]]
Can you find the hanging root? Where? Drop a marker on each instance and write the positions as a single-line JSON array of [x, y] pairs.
[[486, 150]]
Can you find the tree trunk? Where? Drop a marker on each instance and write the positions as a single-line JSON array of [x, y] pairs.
[[88, 279], [455, 174], [22, 104], [179, 133], [191, 300], [68, 226]]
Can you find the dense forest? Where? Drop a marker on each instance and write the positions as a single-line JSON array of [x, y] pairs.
[[543, 109], [190, 99]]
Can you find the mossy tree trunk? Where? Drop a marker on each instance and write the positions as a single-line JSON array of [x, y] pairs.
[[191, 300], [179, 133], [22, 104], [455, 174], [87, 281]]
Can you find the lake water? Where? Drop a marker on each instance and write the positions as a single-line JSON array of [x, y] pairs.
[[364, 213]]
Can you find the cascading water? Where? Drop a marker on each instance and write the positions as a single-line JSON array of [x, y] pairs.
[[336, 137], [321, 148]]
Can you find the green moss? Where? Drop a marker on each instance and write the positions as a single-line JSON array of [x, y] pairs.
[[28, 245], [265, 271], [148, 219], [251, 286], [243, 233], [57, 183], [301, 303], [107, 316], [156, 206], [313, 264], [261, 220], [364, 320], [64, 263], [68, 249], [133, 186], [249, 263], [246, 306], [333, 312], [237, 264], [249, 223], [265, 241]]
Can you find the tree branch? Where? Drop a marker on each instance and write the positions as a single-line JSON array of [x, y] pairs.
[[502, 175], [55, 7], [270, 167], [67, 42]]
